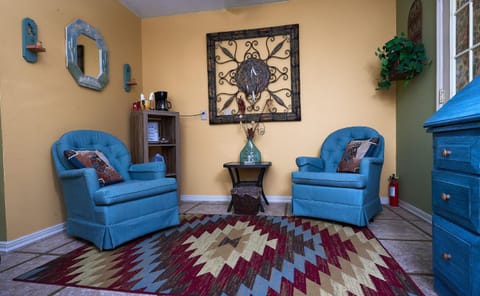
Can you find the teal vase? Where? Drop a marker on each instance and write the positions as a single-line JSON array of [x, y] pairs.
[[250, 153]]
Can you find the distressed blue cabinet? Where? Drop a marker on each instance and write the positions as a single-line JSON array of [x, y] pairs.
[[456, 193]]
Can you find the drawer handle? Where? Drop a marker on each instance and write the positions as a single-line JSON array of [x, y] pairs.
[[445, 196], [446, 256], [446, 153]]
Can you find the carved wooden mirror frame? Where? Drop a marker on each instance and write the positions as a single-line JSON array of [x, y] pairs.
[[73, 31]]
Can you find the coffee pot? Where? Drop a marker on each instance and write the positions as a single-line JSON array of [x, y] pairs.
[[161, 102]]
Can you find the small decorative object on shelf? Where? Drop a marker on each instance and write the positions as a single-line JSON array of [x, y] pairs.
[[30, 43], [152, 132], [144, 103], [250, 153], [157, 158]]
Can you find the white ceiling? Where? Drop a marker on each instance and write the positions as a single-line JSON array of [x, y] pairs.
[[154, 8]]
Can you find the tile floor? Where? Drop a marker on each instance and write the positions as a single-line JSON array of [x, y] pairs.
[[407, 237]]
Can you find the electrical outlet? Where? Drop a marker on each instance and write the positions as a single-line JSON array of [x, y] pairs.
[[203, 115]]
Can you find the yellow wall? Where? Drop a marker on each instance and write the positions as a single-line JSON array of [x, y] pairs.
[[338, 71], [41, 101]]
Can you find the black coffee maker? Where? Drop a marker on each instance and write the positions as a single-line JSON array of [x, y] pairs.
[[161, 102]]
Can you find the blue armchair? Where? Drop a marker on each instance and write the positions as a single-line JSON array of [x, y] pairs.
[[320, 191], [141, 202]]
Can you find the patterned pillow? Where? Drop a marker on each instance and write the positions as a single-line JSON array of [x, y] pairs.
[[355, 151], [94, 159]]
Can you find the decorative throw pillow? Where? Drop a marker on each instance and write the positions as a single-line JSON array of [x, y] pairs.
[[355, 151], [94, 159]]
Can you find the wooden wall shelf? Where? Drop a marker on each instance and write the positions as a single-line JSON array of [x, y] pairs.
[[31, 46], [131, 82], [36, 48]]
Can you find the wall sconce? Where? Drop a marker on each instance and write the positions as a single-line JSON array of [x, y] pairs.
[[127, 80], [30, 43]]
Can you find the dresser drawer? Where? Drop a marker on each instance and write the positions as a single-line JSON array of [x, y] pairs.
[[457, 152], [456, 257], [456, 197]]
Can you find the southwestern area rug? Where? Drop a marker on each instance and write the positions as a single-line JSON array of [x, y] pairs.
[[237, 255]]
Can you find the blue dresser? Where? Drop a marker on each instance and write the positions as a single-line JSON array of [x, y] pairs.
[[456, 193]]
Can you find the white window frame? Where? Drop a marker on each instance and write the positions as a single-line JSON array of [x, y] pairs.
[[446, 47]]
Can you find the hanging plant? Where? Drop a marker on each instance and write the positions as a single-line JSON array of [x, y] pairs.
[[400, 59]]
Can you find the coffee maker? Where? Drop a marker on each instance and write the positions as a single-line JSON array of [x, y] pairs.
[[161, 102]]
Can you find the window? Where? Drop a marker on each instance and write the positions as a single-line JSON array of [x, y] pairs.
[[458, 46]]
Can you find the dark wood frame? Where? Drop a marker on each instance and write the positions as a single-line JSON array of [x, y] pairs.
[[293, 111]]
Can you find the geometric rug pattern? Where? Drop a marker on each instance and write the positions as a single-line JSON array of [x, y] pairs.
[[237, 255]]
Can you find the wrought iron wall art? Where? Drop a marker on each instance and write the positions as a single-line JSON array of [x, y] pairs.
[[253, 75]]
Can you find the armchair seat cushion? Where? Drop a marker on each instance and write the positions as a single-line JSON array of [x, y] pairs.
[[343, 180], [133, 189]]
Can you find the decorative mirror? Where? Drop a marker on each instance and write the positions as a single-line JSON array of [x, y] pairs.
[[75, 33]]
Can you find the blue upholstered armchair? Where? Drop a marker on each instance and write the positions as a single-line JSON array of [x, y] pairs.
[[320, 190], [112, 201]]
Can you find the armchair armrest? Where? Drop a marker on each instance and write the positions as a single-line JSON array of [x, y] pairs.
[[87, 176], [372, 168], [310, 164], [367, 163], [147, 171], [79, 186]]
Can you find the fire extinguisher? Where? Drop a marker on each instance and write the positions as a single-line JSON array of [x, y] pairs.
[[393, 190]]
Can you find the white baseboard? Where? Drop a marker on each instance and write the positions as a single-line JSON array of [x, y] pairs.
[[384, 200], [409, 207], [227, 198], [9, 246]]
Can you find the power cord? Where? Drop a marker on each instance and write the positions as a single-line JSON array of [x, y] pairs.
[[203, 115], [191, 115]]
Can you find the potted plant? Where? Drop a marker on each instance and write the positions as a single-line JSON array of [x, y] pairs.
[[400, 59]]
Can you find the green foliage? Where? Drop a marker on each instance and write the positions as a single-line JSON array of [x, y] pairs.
[[400, 59]]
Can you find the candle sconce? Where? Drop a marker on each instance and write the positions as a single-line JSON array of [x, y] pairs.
[[31, 46], [127, 80]]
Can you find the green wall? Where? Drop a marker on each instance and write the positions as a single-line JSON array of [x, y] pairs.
[[415, 104]]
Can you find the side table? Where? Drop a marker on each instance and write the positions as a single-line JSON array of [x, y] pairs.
[[233, 170]]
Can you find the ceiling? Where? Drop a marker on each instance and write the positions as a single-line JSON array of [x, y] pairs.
[[154, 8]]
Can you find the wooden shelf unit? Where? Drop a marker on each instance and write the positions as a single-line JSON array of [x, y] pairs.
[[144, 150]]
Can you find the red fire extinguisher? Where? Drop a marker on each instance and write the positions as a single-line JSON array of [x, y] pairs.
[[393, 190]]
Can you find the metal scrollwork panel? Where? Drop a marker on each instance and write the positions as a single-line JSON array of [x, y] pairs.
[[73, 31], [253, 75]]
